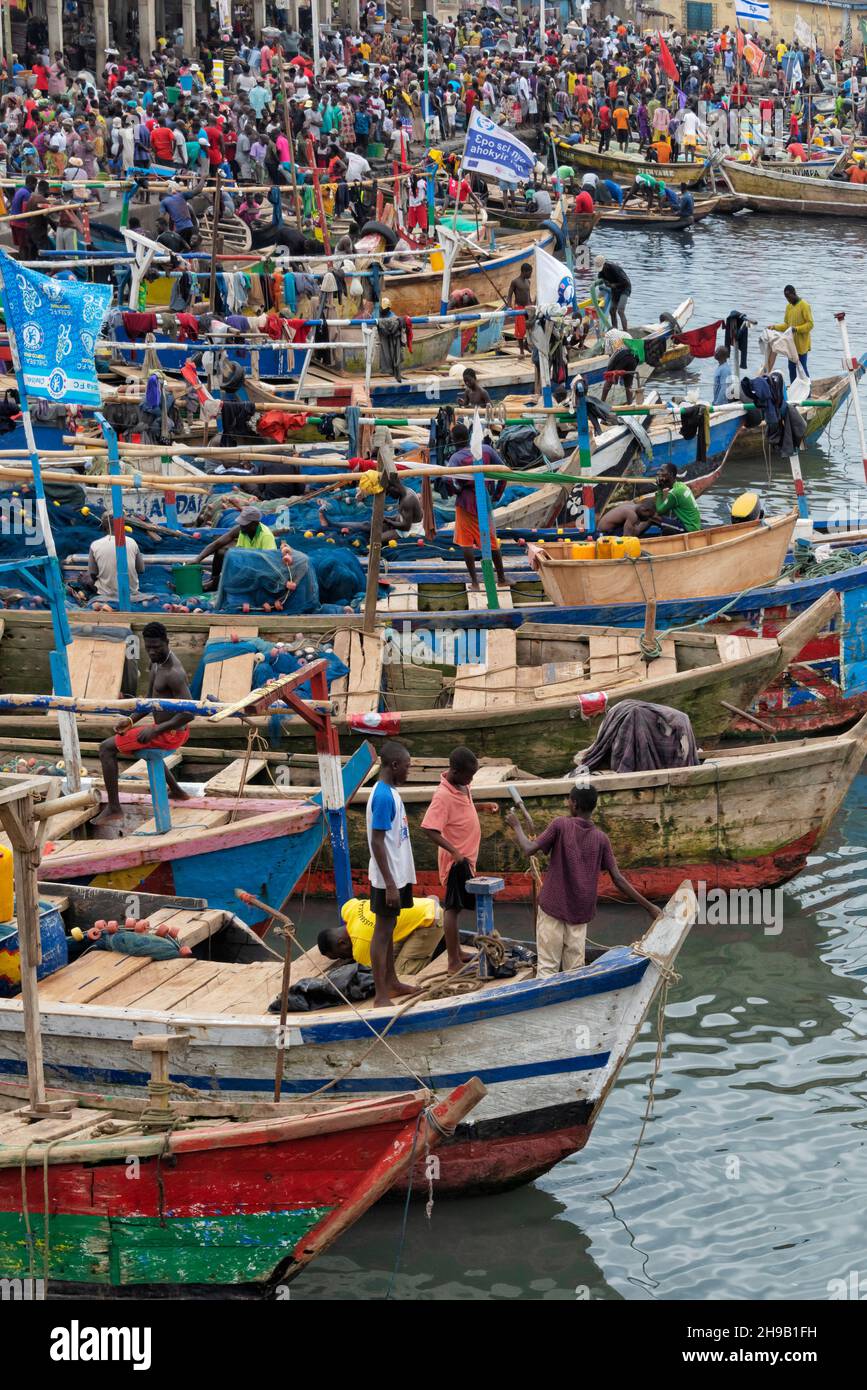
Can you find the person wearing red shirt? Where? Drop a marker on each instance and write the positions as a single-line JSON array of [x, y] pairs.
[[583, 202], [582, 93], [215, 145], [613, 89], [163, 143], [603, 118]]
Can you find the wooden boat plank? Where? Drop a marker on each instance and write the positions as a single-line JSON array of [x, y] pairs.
[[401, 598], [229, 681], [178, 987], [502, 664], [138, 771], [233, 983], [477, 599], [227, 782], [263, 992], [139, 986], [90, 976], [96, 667]]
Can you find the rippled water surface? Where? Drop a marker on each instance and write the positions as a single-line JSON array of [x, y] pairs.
[[751, 1181]]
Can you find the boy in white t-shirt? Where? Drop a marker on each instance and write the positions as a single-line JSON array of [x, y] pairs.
[[391, 869]]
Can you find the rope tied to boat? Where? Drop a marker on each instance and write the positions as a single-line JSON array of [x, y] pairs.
[[667, 976]]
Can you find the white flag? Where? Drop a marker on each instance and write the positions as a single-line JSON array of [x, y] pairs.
[[555, 283], [489, 149], [803, 33], [477, 438]]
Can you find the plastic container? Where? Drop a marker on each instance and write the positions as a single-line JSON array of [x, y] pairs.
[[605, 547], [7, 890], [625, 546], [437, 261], [188, 579], [582, 550], [376, 150], [55, 952]]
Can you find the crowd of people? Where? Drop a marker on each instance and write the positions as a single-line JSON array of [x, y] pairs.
[[255, 104]]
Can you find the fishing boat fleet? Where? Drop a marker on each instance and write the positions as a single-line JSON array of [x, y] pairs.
[[156, 1001]]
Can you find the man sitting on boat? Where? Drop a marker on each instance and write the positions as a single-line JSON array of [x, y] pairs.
[[674, 502], [248, 533], [102, 564], [169, 731]]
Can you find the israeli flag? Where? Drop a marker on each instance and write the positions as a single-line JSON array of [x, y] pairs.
[[489, 149], [753, 11]]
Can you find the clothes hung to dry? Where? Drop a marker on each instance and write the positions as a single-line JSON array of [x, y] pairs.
[[392, 340], [737, 330]]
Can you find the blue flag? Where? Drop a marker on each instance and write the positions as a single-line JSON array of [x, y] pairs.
[[54, 325], [492, 150]]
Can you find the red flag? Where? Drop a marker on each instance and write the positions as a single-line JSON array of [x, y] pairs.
[[701, 341], [740, 44], [755, 57], [666, 62]]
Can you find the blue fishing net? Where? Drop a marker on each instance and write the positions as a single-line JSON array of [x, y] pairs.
[[253, 578], [276, 661], [339, 573]]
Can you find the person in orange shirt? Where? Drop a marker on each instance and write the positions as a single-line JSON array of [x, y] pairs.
[[857, 174], [452, 822], [620, 117]]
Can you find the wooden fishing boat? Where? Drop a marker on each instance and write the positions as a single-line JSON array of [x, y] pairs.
[[517, 1035], [419, 291], [227, 1200], [690, 564], [733, 431], [479, 686], [637, 215], [769, 190], [210, 847], [624, 167], [744, 818], [578, 225]]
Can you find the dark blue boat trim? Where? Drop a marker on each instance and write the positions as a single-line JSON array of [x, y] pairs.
[[620, 969], [357, 1085]]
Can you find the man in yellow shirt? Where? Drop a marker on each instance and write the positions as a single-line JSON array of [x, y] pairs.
[[417, 934], [798, 317], [249, 533]]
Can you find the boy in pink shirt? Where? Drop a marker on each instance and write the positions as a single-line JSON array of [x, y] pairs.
[[452, 822]]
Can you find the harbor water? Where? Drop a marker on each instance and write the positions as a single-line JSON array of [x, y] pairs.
[[751, 1179]]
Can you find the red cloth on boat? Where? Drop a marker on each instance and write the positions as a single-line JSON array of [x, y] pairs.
[[137, 325], [296, 330], [276, 424], [701, 341], [408, 325], [188, 327], [128, 742], [274, 326]]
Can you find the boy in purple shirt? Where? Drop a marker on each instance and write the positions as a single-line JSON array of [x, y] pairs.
[[579, 851]]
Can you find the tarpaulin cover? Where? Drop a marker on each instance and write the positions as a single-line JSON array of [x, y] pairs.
[[637, 736]]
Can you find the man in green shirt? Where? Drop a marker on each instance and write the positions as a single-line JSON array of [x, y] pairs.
[[674, 500], [249, 533]]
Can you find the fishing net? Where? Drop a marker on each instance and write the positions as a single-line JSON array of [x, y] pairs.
[[272, 661], [254, 579]]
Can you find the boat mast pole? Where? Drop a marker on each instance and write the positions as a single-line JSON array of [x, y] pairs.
[[850, 365], [16, 817], [484, 515]]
